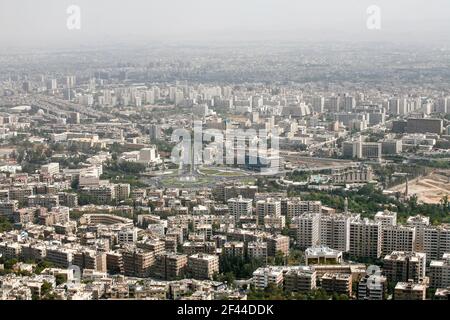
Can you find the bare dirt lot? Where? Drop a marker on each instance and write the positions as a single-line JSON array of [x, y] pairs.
[[429, 189]]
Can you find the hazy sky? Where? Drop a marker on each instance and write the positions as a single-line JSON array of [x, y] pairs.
[[43, 22]]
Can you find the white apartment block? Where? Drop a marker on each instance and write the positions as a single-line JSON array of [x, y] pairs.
[[365, 239], [60, 256], [403, 266], [387, 218], [439, 272], [296, 207], [257, 250], [307, 229], [127, 235], [50, 168], [335, 230], [262, 277], [436, 241], [398, 238], [268, 207], [372, 287], [419, 222], [240, 206]]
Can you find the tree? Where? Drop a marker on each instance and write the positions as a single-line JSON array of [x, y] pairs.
[[75, 183], [280, 258], [46, 289], [60, 279], [5, 225]]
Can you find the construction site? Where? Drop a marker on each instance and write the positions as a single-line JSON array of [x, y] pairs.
[[428, 189]]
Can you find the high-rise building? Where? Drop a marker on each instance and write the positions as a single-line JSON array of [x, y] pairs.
[[268, 207], [296, 207], [387, 218], [307, 229], [349, 103], [403, 266], [240, 207], [155, 132], [419, 223], [398, 238], [426, 125], [365, 239], [439, 272], [318, 103], [436, 241], [335, 231], [335, 104]]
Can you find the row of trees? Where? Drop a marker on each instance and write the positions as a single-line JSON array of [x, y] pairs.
[[369, 200]]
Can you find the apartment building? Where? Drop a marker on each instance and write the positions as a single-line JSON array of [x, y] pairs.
[[339, 283], [43, 200], [419, 223], [307, 229], [436, 241], [33, 251], [8, 207], [403, 266], [10, 250], [122, 191], [169, 266], [114, 262], [372, 287], [301, 279], [239, 207], [60, 256], [268, 207], [410, 291], [90, 259], [335, 230], [257, 250], [234, 249], [398, 238], [203, 266], [137, 262], [102, 194], [387, 218], [297, 207], [277, 243], [365, 239], [439, 272], [127, 235], [263, 277]]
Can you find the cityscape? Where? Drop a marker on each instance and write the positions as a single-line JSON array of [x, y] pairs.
[[225, 170]]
